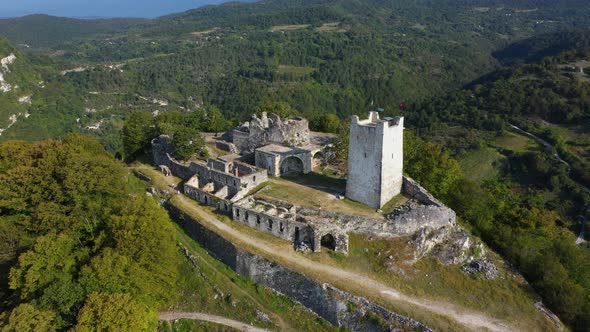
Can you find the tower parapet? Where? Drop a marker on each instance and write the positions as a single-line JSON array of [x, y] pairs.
[[375, 159]]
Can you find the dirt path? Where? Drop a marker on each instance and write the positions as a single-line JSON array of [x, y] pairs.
[[171, 315], [277, 319], [470, 319], [582, 236]]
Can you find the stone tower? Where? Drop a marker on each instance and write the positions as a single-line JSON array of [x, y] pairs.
[[375, 159]]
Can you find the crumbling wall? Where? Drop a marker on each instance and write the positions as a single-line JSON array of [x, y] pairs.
[[336, 306], [286, 228], [226, 146], [414, 190], [270, 129], [402, 222], [207, 198], [162, 155], [237, 186]]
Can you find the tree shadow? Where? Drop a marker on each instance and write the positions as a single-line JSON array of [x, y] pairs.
[[320, 182]]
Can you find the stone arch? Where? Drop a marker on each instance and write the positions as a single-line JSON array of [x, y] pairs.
[[317, 160], [328, 241], [292, 166]]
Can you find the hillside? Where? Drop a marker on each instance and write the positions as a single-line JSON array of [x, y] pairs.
[[39, 31], [318, 56], [82, 247], [536, 48], [518, 196], [18, 82]]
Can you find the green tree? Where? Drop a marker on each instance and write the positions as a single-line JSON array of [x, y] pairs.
[[114, 312], [27, 318], [137, 133], [215, 121], [188, 143], [430, 165], [329, 123], [342, 141], [280, 108], [53, 259]]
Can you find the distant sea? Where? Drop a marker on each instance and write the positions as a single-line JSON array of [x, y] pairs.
[[91, 9]]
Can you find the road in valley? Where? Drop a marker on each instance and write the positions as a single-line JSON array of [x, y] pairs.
[[551, 149]]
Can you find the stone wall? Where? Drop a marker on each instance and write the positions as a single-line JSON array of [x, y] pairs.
[[336, 306], [226, 146], [286, 227], [404, 221], [161, 154], [414, 190], [206, 198], [220, 174]]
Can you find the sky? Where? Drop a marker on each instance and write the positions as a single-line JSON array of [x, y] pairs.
[[99, 8]]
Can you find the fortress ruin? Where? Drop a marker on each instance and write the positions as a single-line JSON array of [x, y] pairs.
[[375, 176]]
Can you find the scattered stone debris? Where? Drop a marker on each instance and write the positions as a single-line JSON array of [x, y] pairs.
[[554, 319], [302, 247], [482, 267], [13, 118], [25, 99], [142, 176], [188, 255], [218, 292], [261, 316], [458, 247], [5, 86]]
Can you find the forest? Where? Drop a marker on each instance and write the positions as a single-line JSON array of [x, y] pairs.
[[79, 239]]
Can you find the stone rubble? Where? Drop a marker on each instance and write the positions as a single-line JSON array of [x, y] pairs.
[[483, 267]]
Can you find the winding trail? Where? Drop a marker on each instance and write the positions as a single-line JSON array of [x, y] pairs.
[[172, 315], [582, 236], [551, 149], [471, 319]]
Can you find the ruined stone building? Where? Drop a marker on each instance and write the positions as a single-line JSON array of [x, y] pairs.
[[287, 221], [281, 160], [375, 159], [271, 129], [282, 147], [218, 182], [222, 181], [374, 177]]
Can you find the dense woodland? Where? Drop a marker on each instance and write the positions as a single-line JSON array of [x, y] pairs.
[[79, 240], [464, 70]]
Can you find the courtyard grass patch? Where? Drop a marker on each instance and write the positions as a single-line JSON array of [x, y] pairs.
[[322, 195], [395, 202]]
